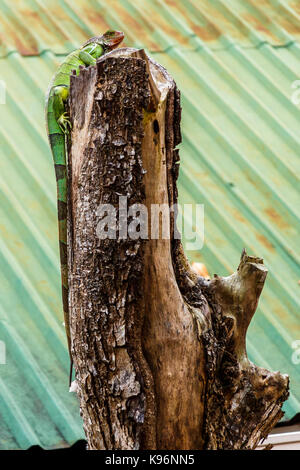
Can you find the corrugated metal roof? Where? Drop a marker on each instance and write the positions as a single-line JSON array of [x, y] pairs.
[[35, 405], [239, 157], [33, 26]]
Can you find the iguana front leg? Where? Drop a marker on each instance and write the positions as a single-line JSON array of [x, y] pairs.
[[60, 96], [86, 58]]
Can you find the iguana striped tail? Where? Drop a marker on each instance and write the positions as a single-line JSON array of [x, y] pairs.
[[58, 146]]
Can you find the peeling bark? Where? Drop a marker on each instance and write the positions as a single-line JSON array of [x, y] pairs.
[[159, 352]]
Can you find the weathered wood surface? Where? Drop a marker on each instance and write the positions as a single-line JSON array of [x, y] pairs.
[[159, 352]]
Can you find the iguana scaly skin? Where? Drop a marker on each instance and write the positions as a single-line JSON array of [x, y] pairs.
[[58, 125]]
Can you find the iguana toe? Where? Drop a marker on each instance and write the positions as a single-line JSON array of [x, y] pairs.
[[64, 123]]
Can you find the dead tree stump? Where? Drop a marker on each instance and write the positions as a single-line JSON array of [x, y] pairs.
[[159, 352]]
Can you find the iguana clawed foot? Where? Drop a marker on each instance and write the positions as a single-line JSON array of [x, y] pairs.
[[64, 123]]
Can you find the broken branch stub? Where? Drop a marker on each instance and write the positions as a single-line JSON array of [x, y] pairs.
[[159, 352]]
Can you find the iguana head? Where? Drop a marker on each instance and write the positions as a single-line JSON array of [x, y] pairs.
[[111, 39], [105, 43]]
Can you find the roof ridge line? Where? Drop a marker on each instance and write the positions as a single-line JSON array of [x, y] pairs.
[[166, 50]]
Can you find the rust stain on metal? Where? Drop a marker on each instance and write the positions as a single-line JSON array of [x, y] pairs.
[[208, 32], [290, 24], [276, 218], [265, 241], [259, 26], [19, 36], [143, 27], [29, 29], [281, 15], [97, 19], [135, 29], [295, 6], [173, 33], [238, 216], [44, 24]]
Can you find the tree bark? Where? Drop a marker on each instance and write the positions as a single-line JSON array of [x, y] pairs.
[[159, 352]]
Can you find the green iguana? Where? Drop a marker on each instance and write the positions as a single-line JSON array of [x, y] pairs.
[[58, 125]]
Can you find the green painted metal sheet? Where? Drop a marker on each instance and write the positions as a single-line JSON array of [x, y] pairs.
[[35, 405], [240, 157], [33, 26]]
